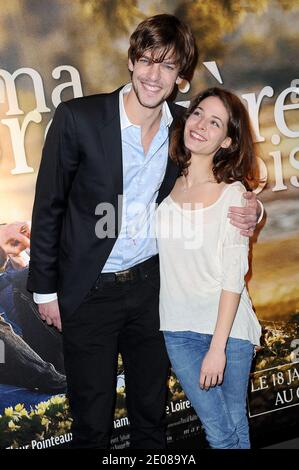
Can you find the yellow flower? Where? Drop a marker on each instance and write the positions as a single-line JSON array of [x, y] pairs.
[[42, 404], [8, 411], [19, 407], [13, 426], [57, 400], [68, 424], [45, 421], [23, 412], [41, 408]]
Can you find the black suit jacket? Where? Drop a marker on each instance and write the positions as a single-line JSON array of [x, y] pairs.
[[81, 167]]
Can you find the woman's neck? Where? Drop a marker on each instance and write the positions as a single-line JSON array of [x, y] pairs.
[[200, 171]]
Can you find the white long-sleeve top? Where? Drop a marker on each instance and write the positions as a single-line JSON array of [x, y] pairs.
[[201, 253]]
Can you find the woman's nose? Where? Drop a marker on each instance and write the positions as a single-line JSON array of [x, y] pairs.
[[202, 124]]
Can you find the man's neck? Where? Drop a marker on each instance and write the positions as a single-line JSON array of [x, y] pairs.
[[146, 118]]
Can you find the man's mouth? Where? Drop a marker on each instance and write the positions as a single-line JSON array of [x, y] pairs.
[[150, 87]]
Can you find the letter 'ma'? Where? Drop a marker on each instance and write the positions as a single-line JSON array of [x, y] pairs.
[[9, 82]]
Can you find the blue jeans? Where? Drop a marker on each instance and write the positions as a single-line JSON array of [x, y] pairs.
[[221, 409]]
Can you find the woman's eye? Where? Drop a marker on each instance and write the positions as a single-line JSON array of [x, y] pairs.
[[215, 123]]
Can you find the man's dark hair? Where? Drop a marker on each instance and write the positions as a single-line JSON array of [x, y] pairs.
[[161, 35]]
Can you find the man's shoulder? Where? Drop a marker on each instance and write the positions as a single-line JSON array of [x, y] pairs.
[[93, 99], [176, 110], [90, 104]]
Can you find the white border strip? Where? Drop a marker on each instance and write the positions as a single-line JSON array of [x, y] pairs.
[[275, 367], [277, 409], [271, 411]]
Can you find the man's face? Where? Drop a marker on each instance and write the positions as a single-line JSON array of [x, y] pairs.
[[153, 82]]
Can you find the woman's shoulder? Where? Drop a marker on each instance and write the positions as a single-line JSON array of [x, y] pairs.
[[235, 187], [234, 191]]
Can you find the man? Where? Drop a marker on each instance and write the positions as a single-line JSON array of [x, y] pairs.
[[14, 239], [98, 148], [22, 366]]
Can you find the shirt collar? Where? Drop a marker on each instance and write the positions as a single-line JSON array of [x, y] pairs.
[[124, 120]]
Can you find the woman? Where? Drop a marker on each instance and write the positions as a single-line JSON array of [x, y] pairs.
[[206, 315]]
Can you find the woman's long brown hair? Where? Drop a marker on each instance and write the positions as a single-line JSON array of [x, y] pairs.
[[238, 162]]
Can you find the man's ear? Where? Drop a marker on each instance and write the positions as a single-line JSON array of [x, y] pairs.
[[130, 65], [226, 143], [178, 80]]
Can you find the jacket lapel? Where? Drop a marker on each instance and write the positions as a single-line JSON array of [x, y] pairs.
[[172, 171], [110, 134]]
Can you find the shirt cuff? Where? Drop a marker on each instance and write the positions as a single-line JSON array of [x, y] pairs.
[[262, 211], [44, 298]]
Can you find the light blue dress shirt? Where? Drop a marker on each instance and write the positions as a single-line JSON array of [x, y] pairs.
[[142, 178]]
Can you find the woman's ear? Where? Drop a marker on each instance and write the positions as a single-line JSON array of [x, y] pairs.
[[226, 143]]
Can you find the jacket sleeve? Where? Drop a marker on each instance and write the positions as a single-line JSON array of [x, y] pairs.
[[57, 170]]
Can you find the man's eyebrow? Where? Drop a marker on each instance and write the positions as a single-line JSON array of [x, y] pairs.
[[166, 60], [169, 59]]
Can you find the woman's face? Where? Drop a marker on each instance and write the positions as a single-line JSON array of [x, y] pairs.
[[206, 128]]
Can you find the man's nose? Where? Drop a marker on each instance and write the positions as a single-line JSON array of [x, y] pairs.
[[154, 71]]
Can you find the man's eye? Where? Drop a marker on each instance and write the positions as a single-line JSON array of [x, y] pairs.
[[169, 67]]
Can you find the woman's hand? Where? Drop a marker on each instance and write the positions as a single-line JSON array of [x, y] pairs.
[[212, 368]]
